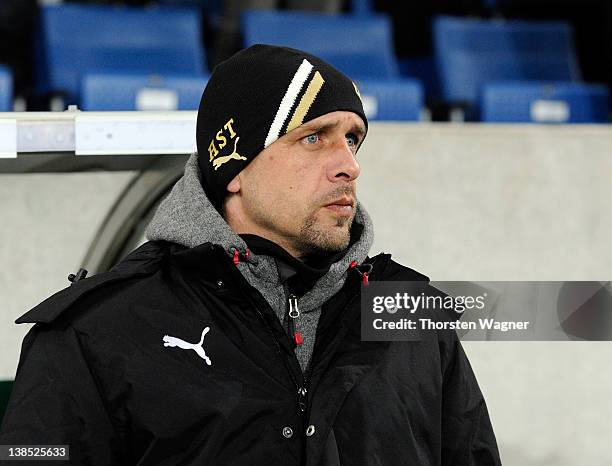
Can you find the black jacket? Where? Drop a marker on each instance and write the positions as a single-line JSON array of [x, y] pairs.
[[95, 373]]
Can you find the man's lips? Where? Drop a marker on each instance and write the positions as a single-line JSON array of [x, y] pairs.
[[342, 206], [342, 201]]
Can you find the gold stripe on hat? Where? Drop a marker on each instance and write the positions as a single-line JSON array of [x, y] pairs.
[[314, 86]]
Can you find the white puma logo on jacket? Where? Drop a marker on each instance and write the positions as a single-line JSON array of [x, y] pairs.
[[197, 347]]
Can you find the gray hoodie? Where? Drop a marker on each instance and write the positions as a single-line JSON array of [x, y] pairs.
[[187, 217]]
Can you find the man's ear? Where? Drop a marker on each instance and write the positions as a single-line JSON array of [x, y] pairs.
[[234, 185]]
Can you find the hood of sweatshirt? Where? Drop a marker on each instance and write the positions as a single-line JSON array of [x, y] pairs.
[[187, 217]]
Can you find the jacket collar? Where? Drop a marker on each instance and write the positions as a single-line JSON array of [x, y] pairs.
[[188, 218], [299, 275]]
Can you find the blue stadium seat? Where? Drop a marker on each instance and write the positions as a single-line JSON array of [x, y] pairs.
[[360, 46], [211, 9], [559, 102], [362, 7], [115, 92], [424, 70], [78, 39], [6, 89], [470, 52], [392, 100]]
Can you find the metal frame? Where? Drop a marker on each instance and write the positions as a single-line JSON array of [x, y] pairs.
[[47, 142]]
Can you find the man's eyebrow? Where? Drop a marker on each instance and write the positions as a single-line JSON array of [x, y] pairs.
[[359, 129], [308, 127], [355, 128]]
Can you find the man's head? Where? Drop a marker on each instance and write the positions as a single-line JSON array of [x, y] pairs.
[[300, 191], [278, 130]]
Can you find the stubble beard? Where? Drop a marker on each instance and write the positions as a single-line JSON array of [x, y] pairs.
[[312, 237], [315, 239]]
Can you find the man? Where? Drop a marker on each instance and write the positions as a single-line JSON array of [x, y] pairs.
[[233, 336]]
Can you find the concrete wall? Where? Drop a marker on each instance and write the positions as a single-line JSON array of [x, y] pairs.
[[47, 223], [479, 202], [456, 202]]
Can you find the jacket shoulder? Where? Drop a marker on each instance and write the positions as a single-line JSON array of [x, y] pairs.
[[390, 270], [141, 262]]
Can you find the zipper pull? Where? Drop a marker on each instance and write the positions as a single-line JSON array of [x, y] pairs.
[[294, 313], [302, 391]]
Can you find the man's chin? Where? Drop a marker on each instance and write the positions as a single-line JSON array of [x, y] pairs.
[[328, 239]]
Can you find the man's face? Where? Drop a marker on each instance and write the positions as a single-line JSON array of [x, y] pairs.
[[300, 191]]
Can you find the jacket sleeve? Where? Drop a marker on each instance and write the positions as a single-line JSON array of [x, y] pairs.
[[467, 434], [55, 400]]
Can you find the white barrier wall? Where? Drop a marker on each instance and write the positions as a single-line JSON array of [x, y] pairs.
[[48, 222], [485, 202], [480, 202], [456, 202]]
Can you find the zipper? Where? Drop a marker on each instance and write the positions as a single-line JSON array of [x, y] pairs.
[[300, 388], [279, 351], [308, 372], [303, 390], [302, 399], [292, 314], [296, 339]]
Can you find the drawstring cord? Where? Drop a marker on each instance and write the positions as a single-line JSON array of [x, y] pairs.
[[236, 254], [365, 275], [363, 270]]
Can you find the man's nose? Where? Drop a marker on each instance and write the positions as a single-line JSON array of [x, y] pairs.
[[343, 164]]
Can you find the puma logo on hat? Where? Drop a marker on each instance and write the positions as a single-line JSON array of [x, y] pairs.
[[226, 158]]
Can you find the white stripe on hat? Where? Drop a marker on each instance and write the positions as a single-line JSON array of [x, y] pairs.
[[299, 78]]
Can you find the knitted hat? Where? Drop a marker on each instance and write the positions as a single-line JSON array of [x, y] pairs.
[[257, 96]]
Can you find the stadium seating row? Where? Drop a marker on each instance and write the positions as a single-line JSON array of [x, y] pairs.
[[121, 68], [78, 39], [383, 100], [543, 102], [110, 58], [515, 71]]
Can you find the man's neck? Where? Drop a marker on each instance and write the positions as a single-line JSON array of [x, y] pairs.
[[241, 228]]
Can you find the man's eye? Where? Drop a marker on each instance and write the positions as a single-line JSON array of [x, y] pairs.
[[312, 138], [352, 140]]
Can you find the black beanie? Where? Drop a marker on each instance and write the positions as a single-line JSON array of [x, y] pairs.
[[257, 96]]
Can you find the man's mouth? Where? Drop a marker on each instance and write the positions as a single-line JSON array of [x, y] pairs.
[[342, 206]]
